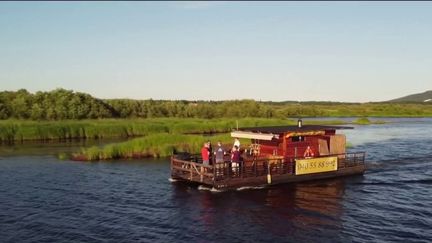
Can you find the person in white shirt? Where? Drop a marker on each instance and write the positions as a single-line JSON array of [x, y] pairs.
[[236, 143]]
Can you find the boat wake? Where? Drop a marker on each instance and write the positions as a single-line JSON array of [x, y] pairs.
[[250, 188], [172, 180], [204, 188]]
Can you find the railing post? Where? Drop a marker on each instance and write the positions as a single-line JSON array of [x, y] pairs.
[[293, 166], [214, 172], [280, 167], [269, 179], [227, 169]]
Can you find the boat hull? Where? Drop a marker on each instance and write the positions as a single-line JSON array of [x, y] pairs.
[[260, 172], [282, 179]]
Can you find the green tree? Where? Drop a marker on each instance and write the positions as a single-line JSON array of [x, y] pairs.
[[20, 105], [37, 113]]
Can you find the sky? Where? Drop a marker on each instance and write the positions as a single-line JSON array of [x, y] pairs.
[[269, 51]]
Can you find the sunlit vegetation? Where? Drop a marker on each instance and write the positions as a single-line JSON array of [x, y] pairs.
[[362, 121], [162, 125], [19, 130], [179, 140], [366, 121], [61, 104], [157, 145], [22, 130]]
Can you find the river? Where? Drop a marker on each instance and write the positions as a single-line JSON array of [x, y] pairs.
[[43, 199]]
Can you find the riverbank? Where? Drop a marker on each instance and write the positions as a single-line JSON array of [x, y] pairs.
[[157, 137], [156, 145], [21, 130], [13, 131], [163, 144]]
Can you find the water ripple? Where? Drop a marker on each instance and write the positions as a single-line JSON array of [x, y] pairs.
[[46, 200]]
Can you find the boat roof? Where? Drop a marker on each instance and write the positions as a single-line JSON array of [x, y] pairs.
[[284, 129]]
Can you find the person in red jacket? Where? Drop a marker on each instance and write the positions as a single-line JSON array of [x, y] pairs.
[[205, 154]]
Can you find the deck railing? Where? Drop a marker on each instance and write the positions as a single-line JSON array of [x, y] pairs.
[[190, 167]]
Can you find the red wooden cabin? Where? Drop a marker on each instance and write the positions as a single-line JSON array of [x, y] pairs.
[[292, 141]]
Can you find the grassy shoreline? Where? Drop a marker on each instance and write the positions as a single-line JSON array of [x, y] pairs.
[[156, 137], [157, 145], [12, 131], [163, 144]]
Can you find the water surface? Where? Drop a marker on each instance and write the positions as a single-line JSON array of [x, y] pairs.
[[43, 199]]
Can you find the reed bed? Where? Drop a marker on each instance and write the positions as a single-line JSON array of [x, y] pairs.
[[19, 131], [366, 121], [158, 137], [157, 145]]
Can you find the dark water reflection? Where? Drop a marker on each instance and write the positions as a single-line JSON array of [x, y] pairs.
[[43, 199], [53, 147]]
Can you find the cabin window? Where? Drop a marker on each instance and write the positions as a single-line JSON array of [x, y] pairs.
[[298, 138]]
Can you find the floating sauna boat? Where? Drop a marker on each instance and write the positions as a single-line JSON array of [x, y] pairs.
[[277, 154]]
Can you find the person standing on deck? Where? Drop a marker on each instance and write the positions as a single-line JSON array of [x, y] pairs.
[[205, 154], [219, 158], [219, 153], [235, 159], [210, 149], [236, 143]]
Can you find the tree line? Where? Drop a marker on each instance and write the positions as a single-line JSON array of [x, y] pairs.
[[60, 104]]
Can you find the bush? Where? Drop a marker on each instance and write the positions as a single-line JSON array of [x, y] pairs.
[[362, 121]]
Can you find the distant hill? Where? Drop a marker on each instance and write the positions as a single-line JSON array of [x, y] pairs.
[[420, 97]]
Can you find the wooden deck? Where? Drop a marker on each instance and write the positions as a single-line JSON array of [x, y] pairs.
[[255, 171]]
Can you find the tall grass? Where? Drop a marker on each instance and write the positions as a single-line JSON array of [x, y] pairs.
[[8, 133], [157, 145], [18, 130], [366, 121], [179, 136], [362, 121], [159, 136]]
